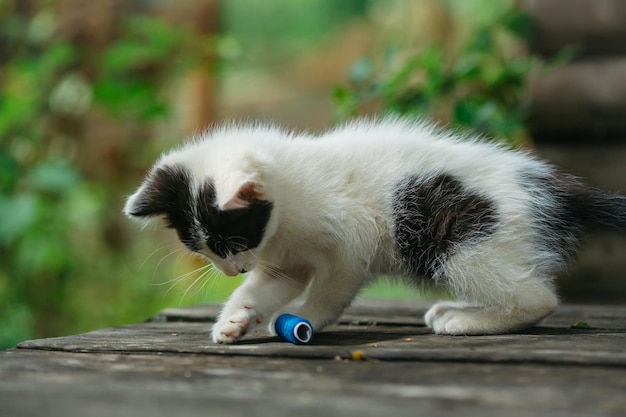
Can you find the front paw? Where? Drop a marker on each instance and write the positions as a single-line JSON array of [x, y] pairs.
[[233, 327]]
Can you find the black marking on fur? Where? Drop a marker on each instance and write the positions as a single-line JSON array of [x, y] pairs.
[[565, 209], [168, 192], [594, 208], [231, 231], [434, 216], [162, 191]]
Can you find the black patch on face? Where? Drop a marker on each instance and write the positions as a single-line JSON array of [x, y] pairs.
[[167, 192], [164, 190], [434, 216], [231, 231]]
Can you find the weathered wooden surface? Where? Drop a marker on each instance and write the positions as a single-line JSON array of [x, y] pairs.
[[582, 100], [596, 27], [379, 359]]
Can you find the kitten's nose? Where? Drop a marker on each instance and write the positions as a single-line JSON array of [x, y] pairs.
[[228, 268], [242, 271]]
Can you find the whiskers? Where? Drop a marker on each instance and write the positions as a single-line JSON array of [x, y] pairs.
[[270, 269], [274, 272], [163, 258], [200, 280], [205, 274], [196, 280]]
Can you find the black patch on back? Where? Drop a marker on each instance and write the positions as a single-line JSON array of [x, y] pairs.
[[167, 192], [434, 216]]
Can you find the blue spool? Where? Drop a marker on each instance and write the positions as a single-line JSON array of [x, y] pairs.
[[294, 329]]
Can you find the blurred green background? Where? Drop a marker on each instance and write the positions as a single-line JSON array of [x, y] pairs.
[[92, 91]]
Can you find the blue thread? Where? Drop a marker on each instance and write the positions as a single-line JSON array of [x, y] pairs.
[[294, 329]]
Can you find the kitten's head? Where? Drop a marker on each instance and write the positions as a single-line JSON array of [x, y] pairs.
[[219, 205]]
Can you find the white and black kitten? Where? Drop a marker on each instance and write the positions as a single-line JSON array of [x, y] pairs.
[[319, 216]]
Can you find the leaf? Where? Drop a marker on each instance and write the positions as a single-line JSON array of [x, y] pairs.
[[18, 322], [341, 95], [147, 41], [361, 70], [55, 177], [56, 57], [482, 42], [466, 67], [19, 213], [9, 171], [478, 114], [465, 112], [430, 61], [42, 255], [518, 23], [563, 56], [126, 55], [130, 97], [345, 104]]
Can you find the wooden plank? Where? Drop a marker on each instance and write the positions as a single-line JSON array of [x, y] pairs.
[[35, 383], [581, 98], [601, 345], [595, 27], [540, 345], [166, 367], [407, 312], [411, 312]]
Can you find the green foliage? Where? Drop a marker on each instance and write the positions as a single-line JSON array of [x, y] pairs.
[[76, 119], [480, 86], [147, 55], [65, 263], [270, 31]]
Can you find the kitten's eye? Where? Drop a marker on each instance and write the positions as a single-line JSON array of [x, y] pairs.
[[217, 248], [237, 244], [223, 246]]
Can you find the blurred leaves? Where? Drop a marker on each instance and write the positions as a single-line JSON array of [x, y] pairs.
[[479, 86], [54, 177], [62, 261], [145, 42], [80, 97], [149, 52], [272, 30]]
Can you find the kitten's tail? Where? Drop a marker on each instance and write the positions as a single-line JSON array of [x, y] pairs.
[[594, 209]]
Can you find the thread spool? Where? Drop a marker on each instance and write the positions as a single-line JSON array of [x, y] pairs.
[[294, 329]]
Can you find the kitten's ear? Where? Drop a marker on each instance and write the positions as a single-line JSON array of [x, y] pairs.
[[159, 193], [245, 194]]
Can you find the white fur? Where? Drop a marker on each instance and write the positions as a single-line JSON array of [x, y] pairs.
[[332, 225]]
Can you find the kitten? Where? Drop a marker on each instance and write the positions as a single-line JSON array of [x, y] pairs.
[[321, 216]]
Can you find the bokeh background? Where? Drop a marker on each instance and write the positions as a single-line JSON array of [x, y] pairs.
[[91, 91]]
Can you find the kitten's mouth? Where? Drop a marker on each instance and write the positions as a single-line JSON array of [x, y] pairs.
[[231, 271], [228, 268]]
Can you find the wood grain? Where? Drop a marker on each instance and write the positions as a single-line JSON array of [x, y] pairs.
[[168, 366]]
